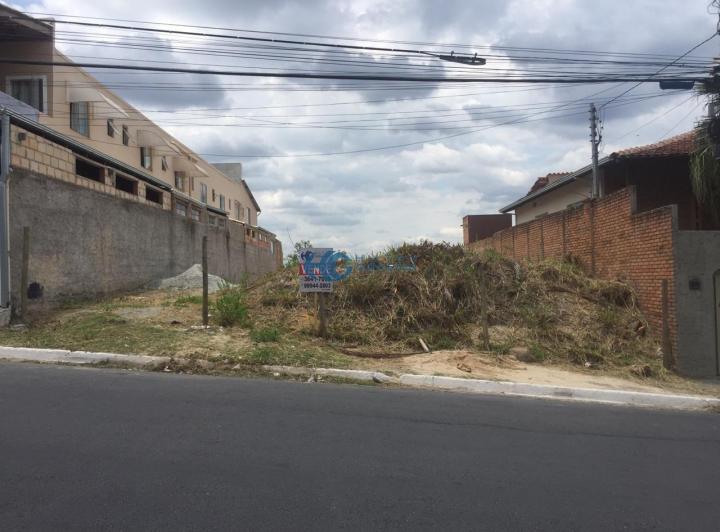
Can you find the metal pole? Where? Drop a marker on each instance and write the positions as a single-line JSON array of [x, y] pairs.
[[4, 171], [24, 272], [204, 282], [594, 143]]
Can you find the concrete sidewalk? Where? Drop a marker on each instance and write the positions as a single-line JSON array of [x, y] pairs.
[[488, 387]]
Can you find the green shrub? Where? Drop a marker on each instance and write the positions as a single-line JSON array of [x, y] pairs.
[[266, 334], [539, 353], [230, 306]]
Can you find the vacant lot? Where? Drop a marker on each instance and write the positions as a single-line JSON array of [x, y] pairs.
[[547, 323]]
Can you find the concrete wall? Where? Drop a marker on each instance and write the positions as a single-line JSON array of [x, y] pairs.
[[697, 258], [84, 242]]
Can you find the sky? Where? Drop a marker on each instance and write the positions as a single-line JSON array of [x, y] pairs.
[[364, 202]]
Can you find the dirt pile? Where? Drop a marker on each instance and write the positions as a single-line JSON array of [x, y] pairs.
[[552, 309], [189, 280]]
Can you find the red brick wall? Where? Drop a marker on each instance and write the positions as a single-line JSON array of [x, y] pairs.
[[610, 236], [479, 226]]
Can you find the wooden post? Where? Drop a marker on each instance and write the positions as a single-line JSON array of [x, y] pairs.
[[204, 281], [484, 313], [668, 359], [24, 271], [322, 331]]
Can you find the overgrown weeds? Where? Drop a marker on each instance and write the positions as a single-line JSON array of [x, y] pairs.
[[265, 334], [556, 310], [230, 306]]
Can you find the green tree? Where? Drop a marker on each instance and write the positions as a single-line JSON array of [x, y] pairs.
[[293, 259]]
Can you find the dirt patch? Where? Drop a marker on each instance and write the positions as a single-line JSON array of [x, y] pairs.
[[505, 368], [138, 313]]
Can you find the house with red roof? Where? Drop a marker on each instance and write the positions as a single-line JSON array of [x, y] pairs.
[[660, 173], [646, 227]]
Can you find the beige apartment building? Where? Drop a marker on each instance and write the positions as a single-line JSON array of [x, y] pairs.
[[72, 102]]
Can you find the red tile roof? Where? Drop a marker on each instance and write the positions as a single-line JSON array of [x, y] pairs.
[[542, 182], [682, 144]]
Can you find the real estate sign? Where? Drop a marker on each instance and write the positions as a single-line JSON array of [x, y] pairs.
[[321, 267]]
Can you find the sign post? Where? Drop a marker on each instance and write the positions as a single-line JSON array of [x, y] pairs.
[[318, 273], [322, 330]]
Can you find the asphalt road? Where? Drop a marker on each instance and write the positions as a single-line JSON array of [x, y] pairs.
[[119, 450]]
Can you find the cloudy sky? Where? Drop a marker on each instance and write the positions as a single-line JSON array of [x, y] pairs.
[[367, 200]]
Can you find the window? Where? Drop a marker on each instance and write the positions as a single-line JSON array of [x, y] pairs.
[[163, 163], [192, 184], [180, 181], [213, 195], [126, 136], [126, 184], [29, 90], [248, 214], [80, 117], [146, 157], [88, 170], [154, 195], [222, 202], [212, 220], [203, 192], [238, 210], [195, 214], [111, 128], [221, 222], [181, 208]]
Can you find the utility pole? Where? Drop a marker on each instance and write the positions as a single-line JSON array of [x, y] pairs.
[[594, 141]]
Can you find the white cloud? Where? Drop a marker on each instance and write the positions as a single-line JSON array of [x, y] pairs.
[[372, 199]]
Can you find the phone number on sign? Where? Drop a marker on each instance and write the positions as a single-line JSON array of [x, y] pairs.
[[313, 285]]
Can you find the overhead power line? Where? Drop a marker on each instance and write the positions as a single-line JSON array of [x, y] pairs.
[[653, 77], [460, 58], [338, 76], [55, 19]]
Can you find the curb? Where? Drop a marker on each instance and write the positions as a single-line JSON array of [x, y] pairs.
[[64, 356], [599, 395], [360, 375]]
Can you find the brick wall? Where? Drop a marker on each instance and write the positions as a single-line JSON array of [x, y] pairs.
[[609, 239], [43, 157]]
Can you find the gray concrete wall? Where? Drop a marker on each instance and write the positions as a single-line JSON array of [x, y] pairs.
[[87, 243], [697, 258]]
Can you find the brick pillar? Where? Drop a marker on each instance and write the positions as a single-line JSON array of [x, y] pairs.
[[592, 237], [512, 232], [564, 236], [109, 176], [527, 234]]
